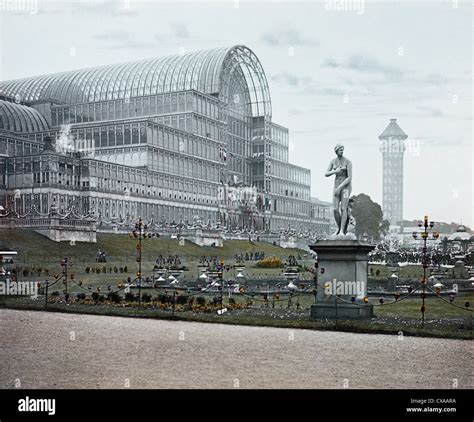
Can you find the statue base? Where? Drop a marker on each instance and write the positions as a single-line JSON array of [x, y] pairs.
[[342, 279]]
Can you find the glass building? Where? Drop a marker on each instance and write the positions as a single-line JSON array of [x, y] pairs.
[[171, 138]]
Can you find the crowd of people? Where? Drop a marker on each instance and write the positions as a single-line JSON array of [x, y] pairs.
[[413, 255]]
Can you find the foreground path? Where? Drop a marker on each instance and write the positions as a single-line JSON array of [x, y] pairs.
[[53, 350]]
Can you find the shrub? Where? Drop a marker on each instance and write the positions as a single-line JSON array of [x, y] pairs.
[[146, 297], [201, 300], [104, 269], [95, 296], [25, 272], [162, 298], [125, 269], [121, 269], [130, 297], [81, 296], [114, 297], [115, 269], [55, 293], [269, 262], [231, 301], [182, 300], [88, 270]]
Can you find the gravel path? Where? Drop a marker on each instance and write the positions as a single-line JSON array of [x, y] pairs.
[[54, 350]]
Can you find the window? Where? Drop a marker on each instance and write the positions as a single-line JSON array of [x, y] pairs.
[[111, 110], [135, 134], [54, 117], [119, 134], [131, 107], [166, 99], [96, 137], [138, 107], [174, 103], [104, 111], [181, 102], [159, 104], [153, 105], [118, 109], [111, 136], [143, 133], [79, 114], [126, 135], [98, 111], [103, 136], [66, 116]]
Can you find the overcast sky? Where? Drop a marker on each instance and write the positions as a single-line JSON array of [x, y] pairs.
[[334, 75]]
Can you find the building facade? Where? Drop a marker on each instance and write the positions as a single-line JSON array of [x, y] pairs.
[[171, 139], [392, 147]]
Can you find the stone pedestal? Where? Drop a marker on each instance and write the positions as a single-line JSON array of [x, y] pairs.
[[342, 276]]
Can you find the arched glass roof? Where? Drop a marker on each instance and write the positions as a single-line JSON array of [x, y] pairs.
[[19, 118], [208, 71]]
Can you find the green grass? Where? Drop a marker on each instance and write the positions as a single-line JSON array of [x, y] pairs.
[[455, 329], [413, 271], [35, 248], [441, 318]]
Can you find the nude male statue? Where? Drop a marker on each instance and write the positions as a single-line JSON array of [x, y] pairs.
[[342, 168]]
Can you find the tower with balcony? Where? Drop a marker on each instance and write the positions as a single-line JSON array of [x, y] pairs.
[[392, 147]]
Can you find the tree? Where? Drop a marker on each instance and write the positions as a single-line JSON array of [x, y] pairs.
[[369, 217]]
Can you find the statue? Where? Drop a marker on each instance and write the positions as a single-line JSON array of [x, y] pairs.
[[342, 168]]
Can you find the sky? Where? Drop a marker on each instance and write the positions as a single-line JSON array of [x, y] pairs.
[[338, 70]]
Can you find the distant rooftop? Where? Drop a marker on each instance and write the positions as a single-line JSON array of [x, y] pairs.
[[393, 130]]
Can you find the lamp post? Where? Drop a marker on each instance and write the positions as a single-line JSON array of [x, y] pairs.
[[65, 266], [425, 226], [140, 232]]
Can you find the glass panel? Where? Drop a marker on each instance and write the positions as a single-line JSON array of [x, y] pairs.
[[143, 133], [104, 111], [134, 133], [119, 134], [118, 109], [96, 137], [131, 108], [54, 117], [127, 139], [138, 107], [103, 136], [159, 103], [146, 106], [111, 110], [111, 136], [79, 114], [153, 105], [174, 103], [98, 111], [166, 99], [66, 116], [181, 102]]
